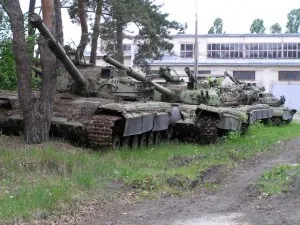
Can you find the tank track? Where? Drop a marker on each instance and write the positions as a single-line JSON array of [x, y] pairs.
[[207, 128], [100, 130]]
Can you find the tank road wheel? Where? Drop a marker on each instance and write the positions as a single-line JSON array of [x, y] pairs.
[[150, 139], [244, 128], [125, 142], [288, 121], [135, 141], [116, 141], [277, 121], [143, 140], [157, 138], [207, 128]]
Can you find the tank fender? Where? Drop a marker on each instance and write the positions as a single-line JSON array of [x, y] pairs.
[[227, 121], [293, 111], [161, 121], [138, 123], [175, 114]]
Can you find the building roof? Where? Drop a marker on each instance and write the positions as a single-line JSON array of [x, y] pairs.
[[236, 35], [176, 60]]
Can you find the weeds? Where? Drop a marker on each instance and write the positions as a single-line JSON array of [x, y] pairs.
[[277, 180], [51, 178]]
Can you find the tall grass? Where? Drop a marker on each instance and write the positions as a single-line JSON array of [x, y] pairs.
[[278, 179], [50, 178]]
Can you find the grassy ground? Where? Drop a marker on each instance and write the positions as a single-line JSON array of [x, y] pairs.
[[278, 180], [38, 180]]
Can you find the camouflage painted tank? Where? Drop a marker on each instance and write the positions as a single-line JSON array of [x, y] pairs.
[[78, 95], [281, 114], [202, 113], [196, 112]]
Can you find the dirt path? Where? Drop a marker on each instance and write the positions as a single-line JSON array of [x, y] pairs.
[[235, 203]]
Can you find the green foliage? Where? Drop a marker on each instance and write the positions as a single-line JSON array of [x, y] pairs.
[[277, 180], [276, 28], [153, 26], [257, 26], [217, 28], [8, 74], [293, 23], [218, 24], [211, 30], [53, 177]]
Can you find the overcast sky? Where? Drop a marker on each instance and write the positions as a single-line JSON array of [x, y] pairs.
[[237, 15]]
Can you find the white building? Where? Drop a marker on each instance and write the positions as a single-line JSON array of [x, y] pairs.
[[270, 60]]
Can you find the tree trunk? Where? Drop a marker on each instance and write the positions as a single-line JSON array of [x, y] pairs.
[[30, 11], [84, 30], [44, 107], [58, 29], [35, 113], [96, 32], [119, 47], [58, 22]]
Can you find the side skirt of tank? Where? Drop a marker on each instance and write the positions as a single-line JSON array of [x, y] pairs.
[[281, 116], [212, 122], [131, 129]]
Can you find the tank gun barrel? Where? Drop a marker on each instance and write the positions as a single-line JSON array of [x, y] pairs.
[[57, 50], [192, 78], [137, 75], [232, 78]]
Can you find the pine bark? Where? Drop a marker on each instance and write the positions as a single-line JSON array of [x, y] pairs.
[[84, 30], [119, 46], [37, 112], [96, 32]]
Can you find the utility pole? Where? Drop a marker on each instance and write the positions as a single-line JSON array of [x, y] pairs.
[[196, 51]]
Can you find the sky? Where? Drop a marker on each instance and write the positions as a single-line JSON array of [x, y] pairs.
[[237, 15]]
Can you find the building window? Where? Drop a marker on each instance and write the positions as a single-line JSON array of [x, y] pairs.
[[153, 72], [202, 72], [244, 75], [186, 50], [127, 47], [253, 50], [289, 75], [225, 51]]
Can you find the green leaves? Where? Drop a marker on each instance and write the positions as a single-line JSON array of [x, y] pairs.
[[257, 26], [217, 28], [276, 28], [154, 29], [8, 73], [293, 23]]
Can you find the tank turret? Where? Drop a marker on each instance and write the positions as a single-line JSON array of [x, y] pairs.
[[87, 81], [138, 76], [83, 86]]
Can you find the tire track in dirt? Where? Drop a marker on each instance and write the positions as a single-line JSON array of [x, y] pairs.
[[234, 203]]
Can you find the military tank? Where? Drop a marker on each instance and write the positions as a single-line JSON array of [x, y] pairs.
[[281, 114], [77, 103], [197, 114], [200, 114]]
